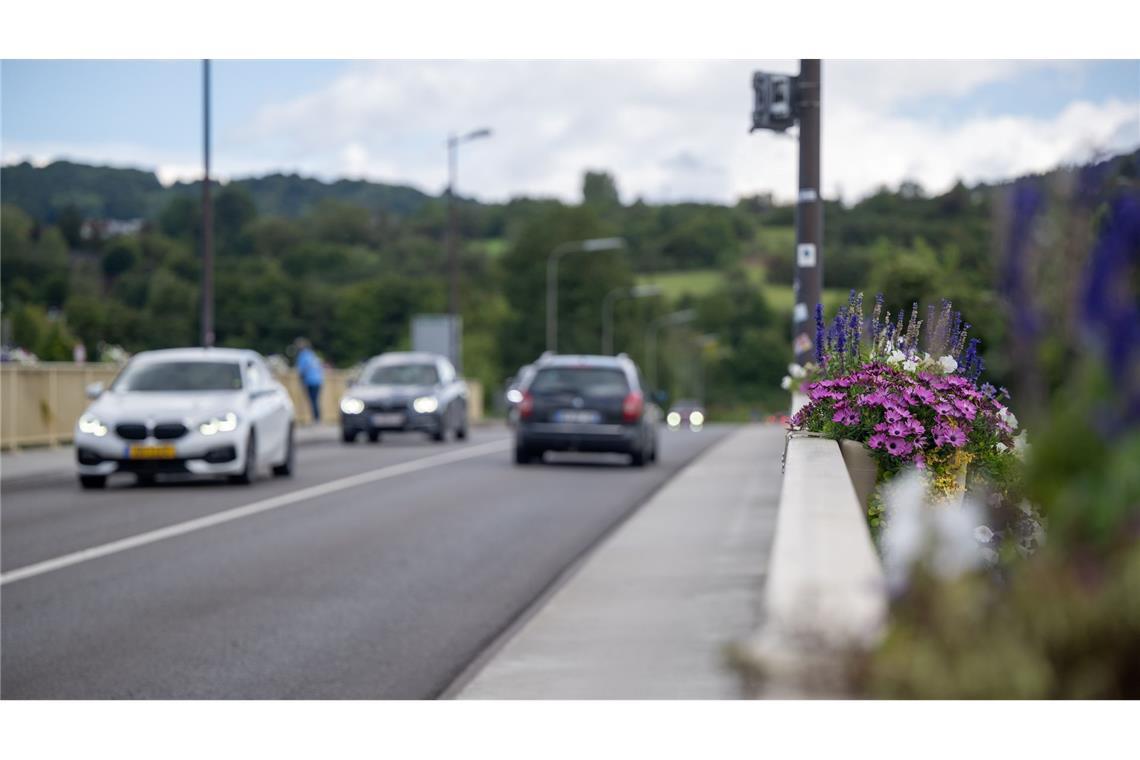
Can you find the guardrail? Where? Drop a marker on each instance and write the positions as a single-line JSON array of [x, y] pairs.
[[40, 403], [826, 596]]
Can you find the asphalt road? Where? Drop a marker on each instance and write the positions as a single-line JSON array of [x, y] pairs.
[[377, 572]]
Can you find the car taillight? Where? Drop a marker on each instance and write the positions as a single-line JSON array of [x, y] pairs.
[[526, 406], [632, 407]]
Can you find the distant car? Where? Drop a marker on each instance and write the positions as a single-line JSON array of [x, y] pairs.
[[405, 391], [691, 413], [586, 403], [202, 411]]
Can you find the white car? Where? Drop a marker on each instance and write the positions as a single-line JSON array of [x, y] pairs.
[[198, 411]]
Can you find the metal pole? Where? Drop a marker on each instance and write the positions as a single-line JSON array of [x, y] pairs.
[[608, 321], [552, 299], [207, 218], [452, 227], [809, 214]]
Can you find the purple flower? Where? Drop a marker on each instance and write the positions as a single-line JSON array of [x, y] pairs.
[[948, 435], [846, 416], [898, 429], [968, 410], [819, 334], [898, 447], [877, 441]]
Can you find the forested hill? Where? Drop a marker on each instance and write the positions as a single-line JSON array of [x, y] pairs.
[[111, 193]]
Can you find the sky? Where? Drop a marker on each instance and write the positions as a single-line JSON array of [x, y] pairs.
[[667, 130]]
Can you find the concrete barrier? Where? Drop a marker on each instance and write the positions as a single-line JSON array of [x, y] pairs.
[[825, 599], [39, 404]]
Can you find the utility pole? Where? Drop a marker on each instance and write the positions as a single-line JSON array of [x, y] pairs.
[[453, 143], [809, 215], [207, 218], [780, 102]]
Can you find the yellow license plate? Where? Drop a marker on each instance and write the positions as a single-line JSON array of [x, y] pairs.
[[151, 452]]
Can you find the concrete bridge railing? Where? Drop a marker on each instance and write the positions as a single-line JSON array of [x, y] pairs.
[[825, 598]]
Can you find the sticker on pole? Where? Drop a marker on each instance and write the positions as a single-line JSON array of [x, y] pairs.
[[805, 255], [802, 344], [800, 313], [807, 195]]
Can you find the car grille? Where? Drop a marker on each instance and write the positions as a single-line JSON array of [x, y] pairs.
[[132, 431], [168, 431], [387, 406]]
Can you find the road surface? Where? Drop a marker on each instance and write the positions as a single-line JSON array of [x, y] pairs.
[[377, 572]]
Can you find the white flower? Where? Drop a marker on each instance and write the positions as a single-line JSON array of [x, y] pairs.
[[786, 383], [1001, 447], [983, 534], [1007, 417], [796, 371], [1020, 444], [896, 357], [909, 365], [949, 364]]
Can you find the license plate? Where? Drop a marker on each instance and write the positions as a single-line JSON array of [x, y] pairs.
[[388, 420], [576, 415], [150, 452]]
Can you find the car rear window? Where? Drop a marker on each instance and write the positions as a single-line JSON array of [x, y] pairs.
[[583, 381], [404, 374], [181, 376]]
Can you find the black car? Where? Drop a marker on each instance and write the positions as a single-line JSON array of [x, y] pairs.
[[405, 391], [586, 403]]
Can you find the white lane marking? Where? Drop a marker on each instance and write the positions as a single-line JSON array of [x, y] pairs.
[[257, 507]]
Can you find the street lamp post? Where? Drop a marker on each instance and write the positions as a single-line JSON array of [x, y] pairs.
[[453, 143], [674, 318], [637, 291], [563, 249]]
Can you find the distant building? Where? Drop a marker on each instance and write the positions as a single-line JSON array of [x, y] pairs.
[[103, 229]]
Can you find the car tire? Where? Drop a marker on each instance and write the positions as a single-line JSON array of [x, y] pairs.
[[285, 469], [637, 458], [461, 431], [145, 479], [249, 473], [441, 434], [524, 455], [90, 482], [348, 436], [374, 436]]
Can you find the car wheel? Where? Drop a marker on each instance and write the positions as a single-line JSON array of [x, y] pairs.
[[249, 473], [286, 467], [373, 436], [89, 482], [461, 431], [523, 455], [637, 458], [348, 436]]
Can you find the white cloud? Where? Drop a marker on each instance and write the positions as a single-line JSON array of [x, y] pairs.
[[675, 129]]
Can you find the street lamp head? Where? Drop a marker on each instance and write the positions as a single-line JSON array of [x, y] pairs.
[[602, 244], [484, 132], [644, 291]]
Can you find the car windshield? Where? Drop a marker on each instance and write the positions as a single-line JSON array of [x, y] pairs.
[[583, 381], [180, 376], [404, 374]]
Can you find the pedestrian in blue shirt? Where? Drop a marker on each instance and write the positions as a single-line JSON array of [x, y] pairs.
[[311, 374]]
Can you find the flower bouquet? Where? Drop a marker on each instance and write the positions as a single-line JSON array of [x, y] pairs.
[[908, 407]]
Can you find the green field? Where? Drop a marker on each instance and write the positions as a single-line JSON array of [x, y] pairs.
[[701, 282]]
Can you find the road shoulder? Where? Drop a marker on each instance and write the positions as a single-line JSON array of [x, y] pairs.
[[649, 614]]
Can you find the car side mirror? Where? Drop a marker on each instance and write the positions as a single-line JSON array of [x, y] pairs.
[[95, 390]]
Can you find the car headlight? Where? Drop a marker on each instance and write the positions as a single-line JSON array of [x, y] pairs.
[[696, 418], [425, 404], [226, 423], [514, 395], [89, 423], [673, 419], [350, 405]]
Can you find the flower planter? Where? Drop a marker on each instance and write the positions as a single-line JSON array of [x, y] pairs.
[[861, 468]]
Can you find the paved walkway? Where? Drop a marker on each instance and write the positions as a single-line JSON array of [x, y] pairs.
[[650, 613]]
